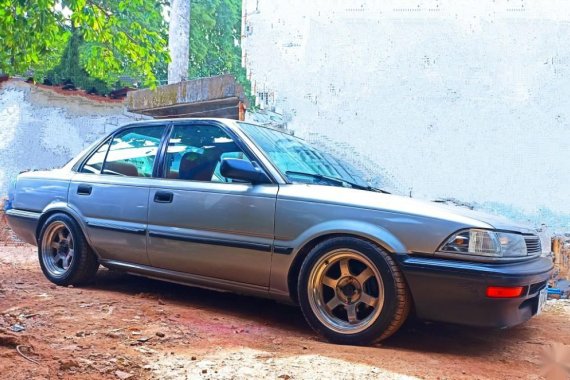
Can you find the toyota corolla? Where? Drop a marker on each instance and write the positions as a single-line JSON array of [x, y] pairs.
[[239, 207]]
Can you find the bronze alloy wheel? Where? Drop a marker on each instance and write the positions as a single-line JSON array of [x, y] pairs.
[[64, 254], [346, 291], [351, 291], [57, 248]]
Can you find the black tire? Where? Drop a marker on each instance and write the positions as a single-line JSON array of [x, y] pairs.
[[83, 265], [396, 299]]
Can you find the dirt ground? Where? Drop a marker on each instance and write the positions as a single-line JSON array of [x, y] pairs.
[[125, 327]]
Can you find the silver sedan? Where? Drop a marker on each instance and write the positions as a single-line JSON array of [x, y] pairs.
[[239, 207]]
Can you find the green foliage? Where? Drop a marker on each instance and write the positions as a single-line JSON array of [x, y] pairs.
[[70, 69], [215, 34], [29, 31], [122, 37], [101, 43], [118, 37]]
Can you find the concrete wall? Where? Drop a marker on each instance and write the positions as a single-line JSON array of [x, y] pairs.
[[40, 128], [461, 99]]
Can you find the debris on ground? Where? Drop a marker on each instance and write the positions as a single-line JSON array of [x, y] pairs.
[[17, 328]]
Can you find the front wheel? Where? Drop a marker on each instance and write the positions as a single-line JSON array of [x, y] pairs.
[[65, 257], [352, 292]]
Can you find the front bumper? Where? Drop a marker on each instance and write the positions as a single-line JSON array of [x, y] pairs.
[[454, 291]]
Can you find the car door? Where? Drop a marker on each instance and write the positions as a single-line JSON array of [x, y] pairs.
[[110, 192], [203, 224]]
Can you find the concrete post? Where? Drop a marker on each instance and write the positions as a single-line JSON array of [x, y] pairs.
[[179, 40]]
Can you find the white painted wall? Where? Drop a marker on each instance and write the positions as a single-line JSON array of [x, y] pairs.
[[462, 99], [40, 129]]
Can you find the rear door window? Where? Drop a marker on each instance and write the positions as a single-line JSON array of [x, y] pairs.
[[131, 153]]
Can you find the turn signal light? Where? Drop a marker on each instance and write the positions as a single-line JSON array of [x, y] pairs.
[[504, 291]]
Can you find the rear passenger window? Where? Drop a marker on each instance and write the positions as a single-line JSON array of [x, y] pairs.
[[132, 152]]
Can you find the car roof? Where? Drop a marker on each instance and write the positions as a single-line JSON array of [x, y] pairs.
[[229, 122]]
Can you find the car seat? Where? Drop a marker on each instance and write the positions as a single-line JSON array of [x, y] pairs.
[[197, 167]]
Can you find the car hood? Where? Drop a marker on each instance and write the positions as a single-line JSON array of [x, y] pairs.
[[400, 204], [495, 221]]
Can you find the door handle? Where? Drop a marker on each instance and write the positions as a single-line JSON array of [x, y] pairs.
[[163, 197], [84, 189]]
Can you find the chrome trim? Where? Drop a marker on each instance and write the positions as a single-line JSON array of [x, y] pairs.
[[24, 214], [462, 267], [482, 259], [104, 226], [213, 241], [533, 244]]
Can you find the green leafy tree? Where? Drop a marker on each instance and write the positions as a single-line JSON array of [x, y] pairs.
[[117, 37], [99, 43], [70, 69], [215, 34]]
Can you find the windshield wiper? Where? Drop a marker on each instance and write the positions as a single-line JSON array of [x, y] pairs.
[[337, 181]]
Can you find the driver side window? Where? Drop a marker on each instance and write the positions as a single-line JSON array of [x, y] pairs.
[[195, 153]]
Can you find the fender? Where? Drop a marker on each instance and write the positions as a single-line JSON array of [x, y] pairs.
[[70, 210], [366, 230], [282, 264]]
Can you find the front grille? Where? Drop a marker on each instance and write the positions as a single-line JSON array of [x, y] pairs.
[[535, 288], [532, 245]]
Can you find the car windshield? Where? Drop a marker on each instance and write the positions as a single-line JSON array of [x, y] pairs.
[[300, 161]]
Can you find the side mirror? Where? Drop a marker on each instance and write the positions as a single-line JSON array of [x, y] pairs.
[[243, 170]]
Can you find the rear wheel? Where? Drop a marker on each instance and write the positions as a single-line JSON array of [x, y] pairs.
[[352, 292], [64, 255]]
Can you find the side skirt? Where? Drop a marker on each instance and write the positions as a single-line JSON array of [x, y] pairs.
[[210, 283]]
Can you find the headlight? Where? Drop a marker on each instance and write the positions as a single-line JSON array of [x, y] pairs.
[[485, 243]]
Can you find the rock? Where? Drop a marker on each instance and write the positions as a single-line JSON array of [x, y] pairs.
[[123, 375], [285, 377], [193, 358], [67, 364], [160, 334], [204, 371]]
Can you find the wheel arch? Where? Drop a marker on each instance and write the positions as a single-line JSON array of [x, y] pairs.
[[61, 208], [370, 233]]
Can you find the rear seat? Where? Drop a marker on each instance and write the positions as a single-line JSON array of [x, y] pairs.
[[122, 168]]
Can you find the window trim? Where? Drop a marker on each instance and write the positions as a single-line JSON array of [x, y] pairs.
[[78, 168], [158, 170], [161, 158]]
